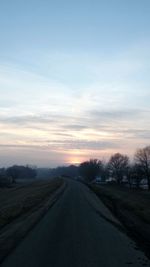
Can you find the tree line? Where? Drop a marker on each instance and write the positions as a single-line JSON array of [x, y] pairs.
[[120, 168], [10, 175]]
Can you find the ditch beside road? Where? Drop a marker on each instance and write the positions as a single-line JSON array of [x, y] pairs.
[[132, 208]]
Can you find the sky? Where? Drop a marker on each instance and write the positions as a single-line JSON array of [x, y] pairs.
[[74, 80]]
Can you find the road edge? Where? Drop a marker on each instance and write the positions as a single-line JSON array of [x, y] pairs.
[[136, 229], [10, 239]]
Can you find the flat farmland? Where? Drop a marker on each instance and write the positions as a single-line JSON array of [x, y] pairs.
[[19, 200], [22, 206]]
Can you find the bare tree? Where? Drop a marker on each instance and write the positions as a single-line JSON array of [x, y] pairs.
[[134, 175], [90, 169], [142, 159], [118, 166]]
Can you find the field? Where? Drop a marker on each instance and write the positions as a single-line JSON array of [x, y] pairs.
[[19, 200], [137, 201], [132, 207], [22, 206]]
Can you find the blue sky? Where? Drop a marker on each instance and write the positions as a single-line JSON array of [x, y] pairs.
[[74, 80]]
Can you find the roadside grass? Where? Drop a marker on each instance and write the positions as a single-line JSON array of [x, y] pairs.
[[136, 201], [21, 207], [17, 201]]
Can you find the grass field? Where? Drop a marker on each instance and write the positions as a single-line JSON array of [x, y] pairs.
[[132, 208], [23, 199], [21, 207], [136, 201]]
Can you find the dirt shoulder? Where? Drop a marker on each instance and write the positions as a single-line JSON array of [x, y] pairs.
[[132, 208], [22, 207]]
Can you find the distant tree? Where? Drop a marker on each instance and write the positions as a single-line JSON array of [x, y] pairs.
[[142, 159], [13, 172], [104, 172], [2, 171], [21, 172], [118, 166], [66, 171], [134, 175], [5, 180], [43, 173], [28, 172], [89, 170]]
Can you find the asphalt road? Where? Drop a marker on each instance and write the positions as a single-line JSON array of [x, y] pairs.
[[78, 231]]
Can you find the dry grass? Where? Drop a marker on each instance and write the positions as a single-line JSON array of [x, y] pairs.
[[20, 200], [136, 201], [22, 207]]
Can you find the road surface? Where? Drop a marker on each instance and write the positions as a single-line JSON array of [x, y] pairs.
[[78, 231]]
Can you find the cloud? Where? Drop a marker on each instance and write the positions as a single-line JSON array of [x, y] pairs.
[[116, 114], [75, 127], [92, 124], [27, 120], [137, 134], [49, 111], [63, 145]]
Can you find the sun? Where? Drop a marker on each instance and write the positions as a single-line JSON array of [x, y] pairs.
[[75, 161]]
